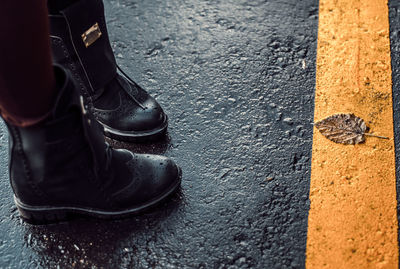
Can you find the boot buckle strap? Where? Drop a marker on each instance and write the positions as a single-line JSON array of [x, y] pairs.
[[91, 35]]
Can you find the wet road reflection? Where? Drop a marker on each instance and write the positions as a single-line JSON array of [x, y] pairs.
[[92, 243]]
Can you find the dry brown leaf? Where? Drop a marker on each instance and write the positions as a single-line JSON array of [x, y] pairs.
[[344, 129]]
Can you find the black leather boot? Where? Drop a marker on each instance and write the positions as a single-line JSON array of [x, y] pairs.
[[63, 167], [80, 43]]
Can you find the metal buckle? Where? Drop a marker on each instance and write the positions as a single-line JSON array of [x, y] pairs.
[[91, 35]]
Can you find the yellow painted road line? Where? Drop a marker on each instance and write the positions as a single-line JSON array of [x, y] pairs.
[[353, 219]]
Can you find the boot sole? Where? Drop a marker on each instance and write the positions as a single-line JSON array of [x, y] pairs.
[[131, 136], [52, 214]]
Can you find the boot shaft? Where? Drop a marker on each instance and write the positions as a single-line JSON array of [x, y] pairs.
[[64, 153], [80, 28]]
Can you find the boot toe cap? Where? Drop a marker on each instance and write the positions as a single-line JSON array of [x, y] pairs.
[[155, 178], [137, 114], [143, 119]]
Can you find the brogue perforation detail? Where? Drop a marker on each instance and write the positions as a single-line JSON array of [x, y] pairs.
[[74, 70], [27, 169]]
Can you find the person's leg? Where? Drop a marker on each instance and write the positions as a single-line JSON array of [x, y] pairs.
[[59, 163], [81, 44], [26, 72]]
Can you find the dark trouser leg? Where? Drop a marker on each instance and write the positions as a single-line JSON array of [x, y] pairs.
[[27, 85]]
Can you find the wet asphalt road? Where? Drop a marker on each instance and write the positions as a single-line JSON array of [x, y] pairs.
[[237, 79]]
